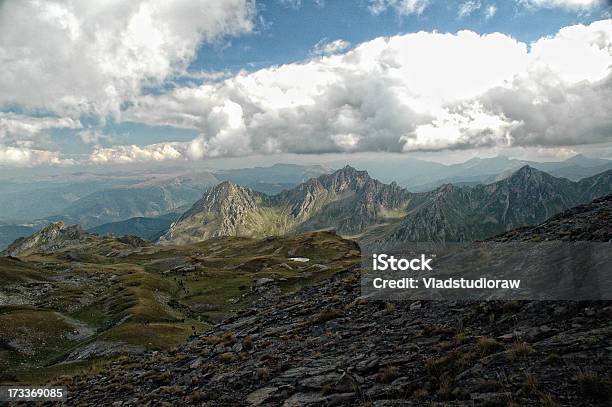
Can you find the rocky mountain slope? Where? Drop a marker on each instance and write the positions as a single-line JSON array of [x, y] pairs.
[[327, 345], [359, 206], [53, 237], [224, 210], [10, 233], [588, 222], [527, 197]]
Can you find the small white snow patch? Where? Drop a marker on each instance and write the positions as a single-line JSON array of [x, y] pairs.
[[300, 259]]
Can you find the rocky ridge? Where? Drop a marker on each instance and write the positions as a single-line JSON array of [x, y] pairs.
[[53, 237], [58, 236]]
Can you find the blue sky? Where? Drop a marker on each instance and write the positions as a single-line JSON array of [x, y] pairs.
[[287, 32], [144, 80]]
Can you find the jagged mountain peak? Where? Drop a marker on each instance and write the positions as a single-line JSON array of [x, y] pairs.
[[526, 170], [227, 187], [347, 178], [222, 211], [60, 229], [527, 175], [347, 169], [223, 195], [346, 172]]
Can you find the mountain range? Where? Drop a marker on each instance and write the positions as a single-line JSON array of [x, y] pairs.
[[356, 205], [419, 175], [136, 202], [146, 202], [488, 170], [346, 200]]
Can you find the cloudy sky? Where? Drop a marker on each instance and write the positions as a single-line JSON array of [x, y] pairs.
[[117, 81]]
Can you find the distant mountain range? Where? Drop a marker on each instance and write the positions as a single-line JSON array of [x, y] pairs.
[[420, 175], [146, 199], [488, 170], [146, 228], [146, 203], [143, 204], [357, 205]]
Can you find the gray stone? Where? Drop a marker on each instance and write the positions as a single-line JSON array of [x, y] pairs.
[[259, 396]]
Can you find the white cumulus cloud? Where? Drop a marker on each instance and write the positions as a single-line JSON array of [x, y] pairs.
[[418, 91], [133, 153], [401, 7], [564, 4], [23, 156], [77, 57], [468, 7], [325, 47]]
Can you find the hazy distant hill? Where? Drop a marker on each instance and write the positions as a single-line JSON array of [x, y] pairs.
[[146, 228], [277, 173], [354, 204], [488, 170], [34, 200], [274, 179], [148, 199]]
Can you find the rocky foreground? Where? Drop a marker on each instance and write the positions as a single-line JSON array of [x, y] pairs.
[[327, 345]]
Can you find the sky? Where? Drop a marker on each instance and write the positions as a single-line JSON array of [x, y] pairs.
[[148, 81]]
